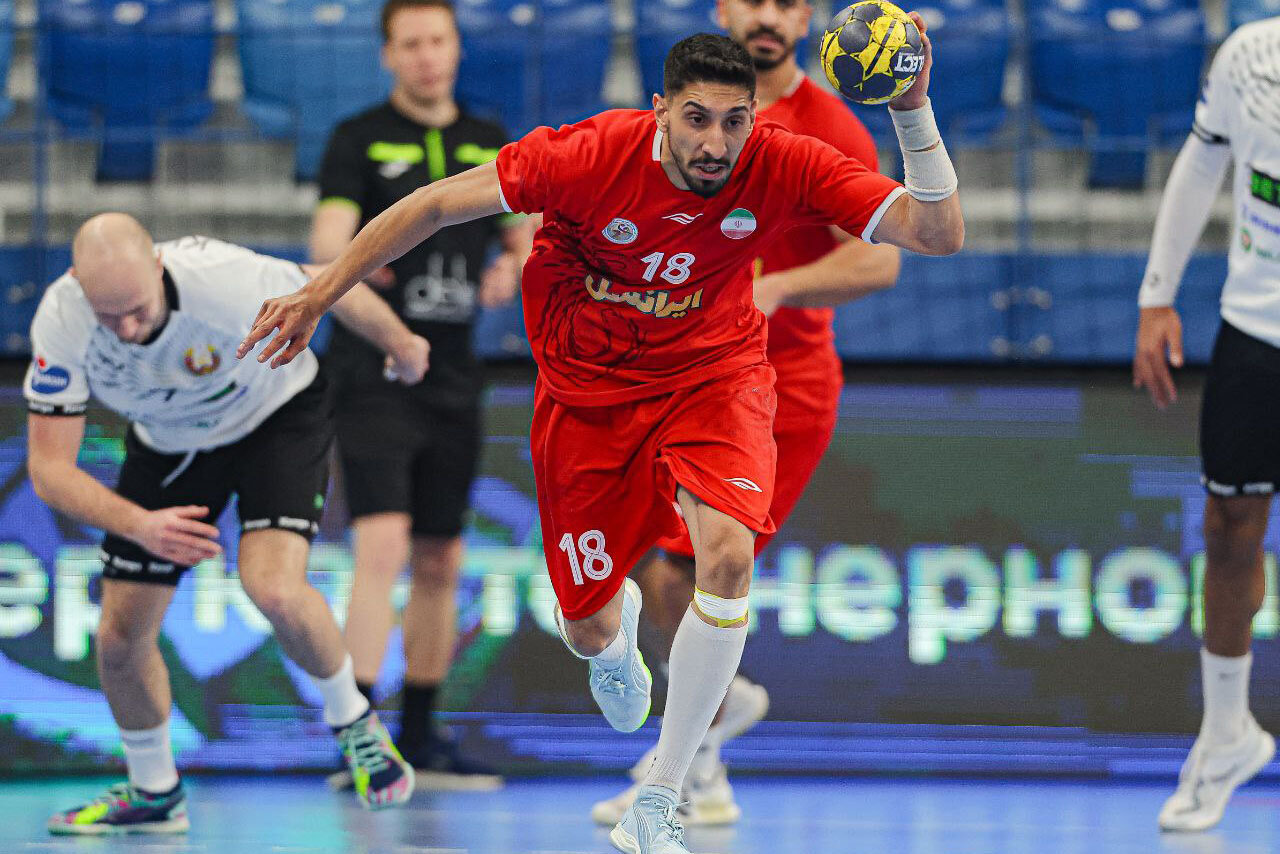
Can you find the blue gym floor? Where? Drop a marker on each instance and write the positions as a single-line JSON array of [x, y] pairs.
[[296, 815]]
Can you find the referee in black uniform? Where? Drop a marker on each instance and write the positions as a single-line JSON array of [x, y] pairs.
[[409, 455]]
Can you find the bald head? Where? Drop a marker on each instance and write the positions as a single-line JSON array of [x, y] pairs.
[[115, 262]]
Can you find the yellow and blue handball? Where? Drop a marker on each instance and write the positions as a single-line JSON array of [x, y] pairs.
[[872, 52]]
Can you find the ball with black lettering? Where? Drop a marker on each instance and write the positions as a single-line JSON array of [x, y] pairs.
[[871, 52]]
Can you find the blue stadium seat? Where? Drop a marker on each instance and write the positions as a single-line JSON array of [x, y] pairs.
[[1242, 12], [941, 309], [970, 49], [534, 62], [126, 68], [498, 78], [6, 54], [307, 65], [662, 23], [1118, 76], [577, 37]]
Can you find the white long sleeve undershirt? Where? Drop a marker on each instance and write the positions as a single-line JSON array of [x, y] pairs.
[[1184, 210]]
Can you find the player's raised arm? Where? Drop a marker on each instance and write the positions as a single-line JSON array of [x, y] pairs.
[[927, 219], [470, 195]]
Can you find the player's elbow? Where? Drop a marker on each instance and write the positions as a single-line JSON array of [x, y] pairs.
[[943, 241], [430, 208], [43, 479]]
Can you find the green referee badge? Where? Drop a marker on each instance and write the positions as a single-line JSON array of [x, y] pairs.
[[738, 224], [319, 500]]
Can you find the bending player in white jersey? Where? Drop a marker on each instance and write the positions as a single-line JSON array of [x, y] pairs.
[[1238, 118], [151, 331]]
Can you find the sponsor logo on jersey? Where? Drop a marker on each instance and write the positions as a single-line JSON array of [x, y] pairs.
[[738, 224], [202, 361], [653, 303], [1259, 251], [47, 378], [744, 483], [621, 231], [682, 218], [1264, 187]]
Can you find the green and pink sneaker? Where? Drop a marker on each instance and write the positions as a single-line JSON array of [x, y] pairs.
[[381, 776], [124, 809]]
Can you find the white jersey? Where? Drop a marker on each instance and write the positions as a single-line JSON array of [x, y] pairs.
[[1240, 105], [185, 390]]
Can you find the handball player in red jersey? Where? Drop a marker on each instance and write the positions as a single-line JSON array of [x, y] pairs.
[[654, 404], [798, 278]]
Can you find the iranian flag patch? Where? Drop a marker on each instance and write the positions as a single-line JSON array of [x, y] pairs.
[[738, 224]]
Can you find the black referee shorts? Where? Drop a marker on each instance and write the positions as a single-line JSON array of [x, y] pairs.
[[279, 474], [401, 452], [1240, 417]]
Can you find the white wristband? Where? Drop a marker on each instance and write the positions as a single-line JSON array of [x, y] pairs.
[[929, 172]]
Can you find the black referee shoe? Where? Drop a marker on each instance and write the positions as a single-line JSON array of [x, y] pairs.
[[437, 764]]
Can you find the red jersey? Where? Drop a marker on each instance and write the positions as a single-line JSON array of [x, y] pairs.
[[637, 288], [803, 333]]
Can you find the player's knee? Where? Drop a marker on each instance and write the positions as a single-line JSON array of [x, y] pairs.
[[437, 563], [726, 570], [278, 603], [118, 643], [1233, 531]]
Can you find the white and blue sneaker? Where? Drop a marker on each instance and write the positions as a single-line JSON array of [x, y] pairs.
[[623, 692], [1211, 774], [651, 825]]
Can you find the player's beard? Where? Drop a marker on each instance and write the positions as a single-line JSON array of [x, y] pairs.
[[701, 186], [768, 63]]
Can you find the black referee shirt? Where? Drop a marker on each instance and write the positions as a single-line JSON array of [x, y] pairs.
[[373, 160]]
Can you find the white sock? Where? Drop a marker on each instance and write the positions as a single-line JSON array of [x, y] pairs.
[[150, 759], [1226, 695], [703, 660], [343, 702], [613, 654]]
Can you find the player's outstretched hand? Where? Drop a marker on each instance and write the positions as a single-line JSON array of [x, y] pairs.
[[919, 91], [1159, 346], [172, 533], [296, 318], [409, 363]]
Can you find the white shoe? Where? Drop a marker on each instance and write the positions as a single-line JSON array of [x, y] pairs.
[[707, 802], [1209, 776], [651, 825]]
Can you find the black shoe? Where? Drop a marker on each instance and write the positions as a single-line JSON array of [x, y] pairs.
[[438, 764]]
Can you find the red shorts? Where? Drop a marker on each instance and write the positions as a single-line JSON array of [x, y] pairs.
[[607, 475], [808, 404]]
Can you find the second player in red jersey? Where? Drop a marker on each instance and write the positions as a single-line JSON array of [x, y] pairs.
[[798, 277], [655, 402]]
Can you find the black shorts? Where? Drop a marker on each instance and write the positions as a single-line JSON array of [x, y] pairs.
[[402, 452], [1239, 425], [279, 472]]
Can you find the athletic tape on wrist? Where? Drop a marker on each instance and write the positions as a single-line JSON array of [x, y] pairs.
[[723, 612], [930, 174]]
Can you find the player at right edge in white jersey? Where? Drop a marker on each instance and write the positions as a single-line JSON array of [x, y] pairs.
[[1238, 118]]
